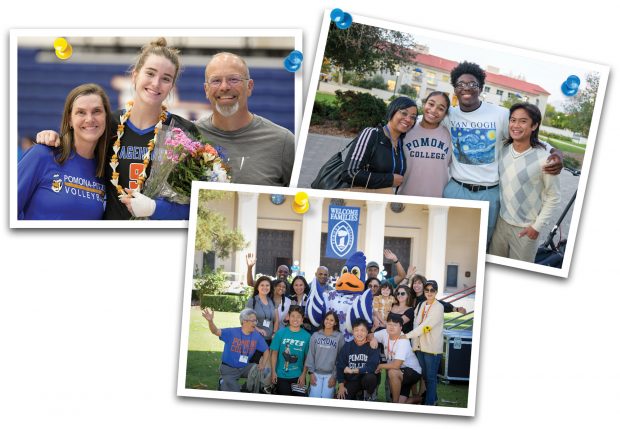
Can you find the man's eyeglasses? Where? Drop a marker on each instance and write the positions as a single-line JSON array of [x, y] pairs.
[[252, 321], [233, 80], [467, 85]]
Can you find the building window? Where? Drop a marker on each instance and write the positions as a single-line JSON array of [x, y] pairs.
[[487, 89], [452, 275], [499, 92], [537, 102], [445, 78], [431, 78]]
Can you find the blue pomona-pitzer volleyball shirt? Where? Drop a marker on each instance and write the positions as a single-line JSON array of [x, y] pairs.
[[47, 190]]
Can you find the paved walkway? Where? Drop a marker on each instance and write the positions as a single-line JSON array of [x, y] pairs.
[[319, 148]]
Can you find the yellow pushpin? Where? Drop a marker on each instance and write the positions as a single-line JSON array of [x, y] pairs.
[[63, 48], [301, 203]]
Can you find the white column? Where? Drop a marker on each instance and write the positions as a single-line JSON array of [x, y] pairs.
[[437, 238], [374, 231], [247, 223], [311, 237]]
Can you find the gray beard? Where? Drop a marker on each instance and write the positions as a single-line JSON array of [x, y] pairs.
[[227, 111]]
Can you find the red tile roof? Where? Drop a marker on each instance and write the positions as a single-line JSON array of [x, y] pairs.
[[493, 78]]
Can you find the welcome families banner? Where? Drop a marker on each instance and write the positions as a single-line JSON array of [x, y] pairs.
[[342, 231]]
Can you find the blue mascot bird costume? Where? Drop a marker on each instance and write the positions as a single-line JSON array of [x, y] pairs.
[[348, 300]]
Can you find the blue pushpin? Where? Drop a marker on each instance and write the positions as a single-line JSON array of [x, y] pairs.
[[571, 85], [343, 20], [292, 63], [336, 15]]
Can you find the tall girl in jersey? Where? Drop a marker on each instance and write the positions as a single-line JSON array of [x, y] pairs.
[[153, 78], [66, 182], [428, 150], [376, 160]]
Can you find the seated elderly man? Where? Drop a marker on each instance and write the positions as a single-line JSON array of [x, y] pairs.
[[240, 344]]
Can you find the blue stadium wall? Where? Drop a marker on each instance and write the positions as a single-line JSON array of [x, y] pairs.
[[43, 87]]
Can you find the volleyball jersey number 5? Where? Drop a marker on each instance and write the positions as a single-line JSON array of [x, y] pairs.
[[135, 170]]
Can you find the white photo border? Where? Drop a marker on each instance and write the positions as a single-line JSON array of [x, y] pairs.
[[188, 285], [578, 203], [15, 34]]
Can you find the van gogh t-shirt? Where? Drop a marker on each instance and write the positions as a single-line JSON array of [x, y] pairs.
[[476, 139], [47, 190]]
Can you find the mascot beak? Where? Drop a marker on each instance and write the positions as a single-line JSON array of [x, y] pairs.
[[350, 282]]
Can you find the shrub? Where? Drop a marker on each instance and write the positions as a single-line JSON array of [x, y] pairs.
[[224, 302], [211, 282], [408, 90], [324, 111], [376, 81], [572, 163], [360, 110]]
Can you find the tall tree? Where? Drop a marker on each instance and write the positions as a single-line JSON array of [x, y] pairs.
[[212, 233], [364, 49], [580, 108]]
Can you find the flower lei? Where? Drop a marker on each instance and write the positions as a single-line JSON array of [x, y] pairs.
[[117, 146]]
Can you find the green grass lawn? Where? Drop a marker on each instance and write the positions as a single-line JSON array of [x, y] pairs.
[[205, 351], [325, 97], [564, 146]]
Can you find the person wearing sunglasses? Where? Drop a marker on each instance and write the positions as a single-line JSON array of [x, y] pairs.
[[478, 132], [403, 308], [427, 336], [240, 345], [259, 151]]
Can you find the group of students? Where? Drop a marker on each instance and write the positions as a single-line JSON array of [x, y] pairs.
[[95, 166], [405, 339], [475, 151]]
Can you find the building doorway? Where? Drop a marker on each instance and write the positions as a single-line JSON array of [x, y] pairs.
[[273, 248], [401, 246]]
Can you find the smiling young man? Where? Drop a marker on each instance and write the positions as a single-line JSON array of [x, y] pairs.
[[478, 131], [260, 152], [527, 196]]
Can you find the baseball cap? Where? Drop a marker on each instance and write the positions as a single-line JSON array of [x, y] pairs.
[[372, 264]]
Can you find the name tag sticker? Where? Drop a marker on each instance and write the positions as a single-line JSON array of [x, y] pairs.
[[266, 323], [243, 358]]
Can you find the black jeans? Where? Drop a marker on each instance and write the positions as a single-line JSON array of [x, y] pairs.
[[367, 382]]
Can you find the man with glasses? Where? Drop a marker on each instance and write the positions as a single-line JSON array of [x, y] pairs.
[[259, 151], [402, 367], [478, 131], [240, 344]]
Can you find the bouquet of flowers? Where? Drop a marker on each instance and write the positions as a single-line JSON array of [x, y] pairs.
[[178, 159]]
